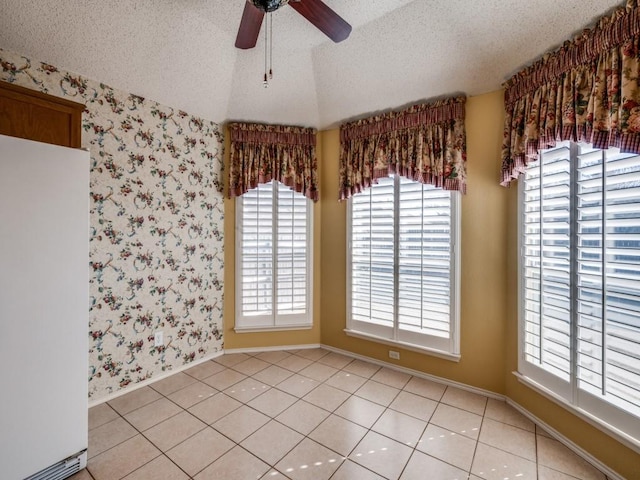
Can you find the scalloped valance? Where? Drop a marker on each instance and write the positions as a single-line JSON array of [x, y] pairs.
[[586, 91], [425, 142], [261, 153]]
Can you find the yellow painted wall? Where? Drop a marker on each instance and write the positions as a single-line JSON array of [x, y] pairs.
[[489, 329], [489, 286], [482, 320], [233, 340]]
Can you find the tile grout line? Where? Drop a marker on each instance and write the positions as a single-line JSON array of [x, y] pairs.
[[210, 425], [475, 449], [126, 440], [316, 361], [162, 453], [388, 407], [306, 436], [140, 432], [370, 429], [439, 402]]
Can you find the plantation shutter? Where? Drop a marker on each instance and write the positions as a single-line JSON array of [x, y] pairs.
[[424, 258], [372, 257], [293, 252], [547, 252], [402, 268], [256, 249], [609, 276], [273, 258], [581, 276]]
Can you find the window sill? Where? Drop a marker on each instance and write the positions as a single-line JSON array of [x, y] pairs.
[[282, 328], [454, 357], [625, 439]]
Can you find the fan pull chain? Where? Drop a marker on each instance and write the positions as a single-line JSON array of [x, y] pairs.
[[268, 49], [266, 46], [270, 45]]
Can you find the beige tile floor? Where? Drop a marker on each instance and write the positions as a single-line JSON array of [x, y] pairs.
[[315, 414]]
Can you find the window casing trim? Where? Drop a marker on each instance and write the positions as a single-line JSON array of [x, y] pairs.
[[273, 321], [277, 328], [537, 376], [454, 357], [605, 416], [440, 347], [593, 420]]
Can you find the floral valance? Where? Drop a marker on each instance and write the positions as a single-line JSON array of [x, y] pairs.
[[261, 153], [424, 142], [586, 91]]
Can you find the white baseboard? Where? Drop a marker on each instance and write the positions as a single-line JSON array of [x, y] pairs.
[[417, 373], [157, 378], [135, 386], [612, 475], [306, 346]]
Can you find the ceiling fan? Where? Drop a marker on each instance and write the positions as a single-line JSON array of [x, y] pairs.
[[316, 11]]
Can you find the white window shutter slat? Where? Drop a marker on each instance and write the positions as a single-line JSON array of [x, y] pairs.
[[401, 264], [273, 253], [580, 278]]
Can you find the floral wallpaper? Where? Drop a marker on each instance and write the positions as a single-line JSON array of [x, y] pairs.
[[156, 216]]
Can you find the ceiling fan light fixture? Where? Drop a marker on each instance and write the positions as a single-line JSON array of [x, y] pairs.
[[268, 5]]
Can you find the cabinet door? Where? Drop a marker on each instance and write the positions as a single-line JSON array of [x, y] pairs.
[[35, 116]]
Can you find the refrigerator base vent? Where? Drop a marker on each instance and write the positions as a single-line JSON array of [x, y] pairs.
[[62, 469]]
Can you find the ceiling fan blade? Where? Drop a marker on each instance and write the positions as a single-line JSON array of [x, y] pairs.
[[249, 27], [325, 19]]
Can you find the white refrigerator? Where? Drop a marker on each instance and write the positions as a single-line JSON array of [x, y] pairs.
[[44, 292]]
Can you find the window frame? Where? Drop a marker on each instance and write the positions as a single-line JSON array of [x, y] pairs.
[[607, 417], [273, 321], [446, 348]]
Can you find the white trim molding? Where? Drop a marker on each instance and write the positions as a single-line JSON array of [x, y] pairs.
[[611, 475], [417, 373], [604, 427], [135, 386], [283, 328], [283, 348], [454, 357]]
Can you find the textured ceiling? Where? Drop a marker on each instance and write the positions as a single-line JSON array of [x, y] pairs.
[[181, 53]]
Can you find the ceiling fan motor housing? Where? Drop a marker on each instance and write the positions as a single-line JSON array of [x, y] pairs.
[[316, 11], [269, 5]]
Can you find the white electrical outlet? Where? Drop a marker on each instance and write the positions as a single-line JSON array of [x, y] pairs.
[[394, 355], [158, 339]]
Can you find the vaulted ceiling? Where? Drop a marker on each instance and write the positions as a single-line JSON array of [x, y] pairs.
[[182, 53]]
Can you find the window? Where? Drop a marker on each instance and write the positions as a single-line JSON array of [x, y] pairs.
[[402, 268], [273, 259], [580, 281]]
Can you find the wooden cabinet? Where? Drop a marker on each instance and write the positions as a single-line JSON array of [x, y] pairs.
[[29, 114]]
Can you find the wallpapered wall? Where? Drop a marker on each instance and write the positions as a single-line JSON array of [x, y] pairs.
[[156, 216]]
